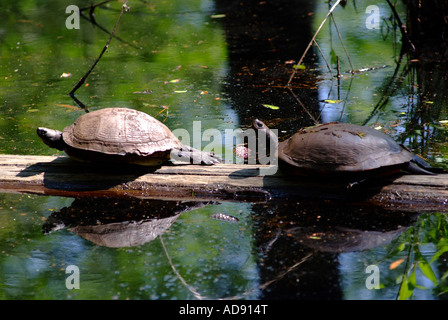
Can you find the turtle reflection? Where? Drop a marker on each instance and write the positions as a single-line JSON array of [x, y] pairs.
[[337, 228], [301, 243], [118, 222], [341, 240]]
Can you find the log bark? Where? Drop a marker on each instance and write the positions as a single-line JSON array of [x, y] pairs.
[[61, 176]]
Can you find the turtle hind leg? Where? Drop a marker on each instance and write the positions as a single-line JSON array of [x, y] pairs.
[[414, 168], [419, 166], [194, 156]]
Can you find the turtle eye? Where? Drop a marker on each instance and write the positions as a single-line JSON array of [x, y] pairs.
[[258, 124]]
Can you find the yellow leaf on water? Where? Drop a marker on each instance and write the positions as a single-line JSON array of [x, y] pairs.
[[67, 106], [396, 263], [270, 106], [332, 101], [299, 67]]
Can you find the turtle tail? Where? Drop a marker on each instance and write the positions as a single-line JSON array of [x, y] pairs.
[[419, 166]]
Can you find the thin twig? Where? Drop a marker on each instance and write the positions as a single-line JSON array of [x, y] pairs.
[[311, 42], [124, 8], [323, 57], [342, 43], [93, 6], [281, 275], [236, 297], [393, 85], [190, 288], [93, 21], [303, 106], [402, 27]]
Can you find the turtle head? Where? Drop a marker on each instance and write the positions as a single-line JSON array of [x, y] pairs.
[[262, 130], [267, 142], [52, 138], [259, 125]]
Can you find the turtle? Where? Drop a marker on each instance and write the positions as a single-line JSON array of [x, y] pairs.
[[338, 149], [122, 135]]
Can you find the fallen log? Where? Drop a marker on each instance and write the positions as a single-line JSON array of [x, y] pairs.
[[61, 176]]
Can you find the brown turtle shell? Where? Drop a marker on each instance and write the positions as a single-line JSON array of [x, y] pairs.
[[121, 134], [341, 147]]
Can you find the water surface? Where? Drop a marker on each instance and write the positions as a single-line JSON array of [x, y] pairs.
[[219, 63]]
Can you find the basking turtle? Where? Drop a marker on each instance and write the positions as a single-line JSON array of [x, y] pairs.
[[343, 149], [121, 135]]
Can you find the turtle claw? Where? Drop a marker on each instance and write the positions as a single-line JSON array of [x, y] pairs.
[[204, 158], [194, 156], [210, 158]]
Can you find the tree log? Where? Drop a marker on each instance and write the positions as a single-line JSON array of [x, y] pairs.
[[61, 176]]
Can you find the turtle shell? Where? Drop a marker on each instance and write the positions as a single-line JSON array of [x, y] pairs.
[[341, 148], [119, 134]]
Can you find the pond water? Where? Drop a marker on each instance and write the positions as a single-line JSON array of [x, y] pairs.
[[222, 63]]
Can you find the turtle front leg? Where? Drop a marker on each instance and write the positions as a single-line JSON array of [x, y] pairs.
[[194, 156]]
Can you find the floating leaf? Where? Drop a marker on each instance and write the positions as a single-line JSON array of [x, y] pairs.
[[396, 263], [218, 16], [299, 67], [332, 101], [68, 106], [270, 106]]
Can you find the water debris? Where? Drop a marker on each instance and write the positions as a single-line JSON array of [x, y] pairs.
[[224, 217], [142, 92], [66, 75], [367, 69], [241, 152], [218, 16]]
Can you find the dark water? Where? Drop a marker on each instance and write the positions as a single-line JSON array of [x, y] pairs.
[[222, 63]]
